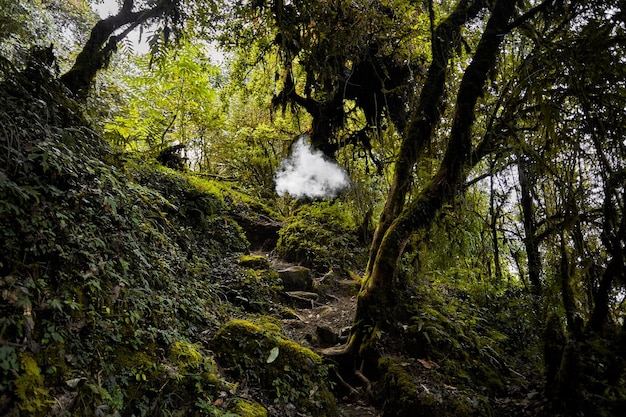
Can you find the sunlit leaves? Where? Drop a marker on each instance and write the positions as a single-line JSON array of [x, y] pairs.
[[174, 101]]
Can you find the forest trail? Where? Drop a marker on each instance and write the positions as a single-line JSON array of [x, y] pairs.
[[322, 318]]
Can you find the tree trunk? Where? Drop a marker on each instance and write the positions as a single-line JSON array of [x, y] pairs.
[[600, 313], [494, 214], [376, 300], [101, 44], [530, 228], [424, 119]]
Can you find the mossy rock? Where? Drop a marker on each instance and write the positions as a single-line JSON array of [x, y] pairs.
[[296, 278], [195, 370], [32, 396], [290, 372], [321, 236], [246, 408], [254, 262]]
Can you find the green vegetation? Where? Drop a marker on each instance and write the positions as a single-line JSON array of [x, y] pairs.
[[321, 236], [258, 351], [141, 235]]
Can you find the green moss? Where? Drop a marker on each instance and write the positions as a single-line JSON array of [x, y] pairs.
[[186, 355], [403, 397], [254, 262], [258, 351], [196, 369], [320, 236], [247, 408], [131, 359], [490, 378], [206, 186], [400, 390], [33, 397]]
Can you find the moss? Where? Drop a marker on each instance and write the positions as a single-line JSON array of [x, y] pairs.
[[403, 397], [33, 398], [185, 355], [320, 236], [131, 359], [254, 262], [399, 389], [247, 408], [195, 370], [490, 378], [292, 373]]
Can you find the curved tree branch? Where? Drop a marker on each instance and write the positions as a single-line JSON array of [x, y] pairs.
[[425, 117], [102, 42], [420, 213]]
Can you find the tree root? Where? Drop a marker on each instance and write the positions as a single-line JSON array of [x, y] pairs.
[[365, 380]]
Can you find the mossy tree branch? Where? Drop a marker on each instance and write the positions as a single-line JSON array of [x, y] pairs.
[[457, 160]]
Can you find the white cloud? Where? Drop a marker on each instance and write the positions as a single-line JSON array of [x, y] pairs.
[[307, 173]]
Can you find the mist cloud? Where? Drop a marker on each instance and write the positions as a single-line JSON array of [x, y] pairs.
[[307, 173]]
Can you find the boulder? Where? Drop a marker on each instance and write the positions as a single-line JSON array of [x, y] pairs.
[[258, 351], [296, 278]]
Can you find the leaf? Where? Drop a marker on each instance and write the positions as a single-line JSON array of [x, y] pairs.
[[73, 383], [273, 355], [428, 364]]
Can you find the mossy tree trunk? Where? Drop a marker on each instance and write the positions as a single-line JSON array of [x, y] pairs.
[[102, 42], [425, 118], [531, 242], [399, 220]]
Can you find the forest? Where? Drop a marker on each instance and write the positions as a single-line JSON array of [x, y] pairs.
[[318, 208]]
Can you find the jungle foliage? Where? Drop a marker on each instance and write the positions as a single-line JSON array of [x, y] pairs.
[[485, 215]]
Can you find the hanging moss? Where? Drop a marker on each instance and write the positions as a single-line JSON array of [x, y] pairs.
[[292, 373]]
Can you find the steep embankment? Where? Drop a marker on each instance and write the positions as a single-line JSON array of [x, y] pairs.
[[116, 275]]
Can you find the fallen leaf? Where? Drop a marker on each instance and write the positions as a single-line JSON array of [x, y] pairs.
[[428, 364], [273, 355]]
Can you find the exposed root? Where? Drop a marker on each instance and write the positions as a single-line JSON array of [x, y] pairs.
[[365, 380], [353, 391]]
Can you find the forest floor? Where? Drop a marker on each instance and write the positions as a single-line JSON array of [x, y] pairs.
[[325, 320]]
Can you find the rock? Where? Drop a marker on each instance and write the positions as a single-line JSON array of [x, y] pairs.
[[261, 230], [254, 262], [288, 371], [304, 295], [303, 298], [296, 278], [326, 335]]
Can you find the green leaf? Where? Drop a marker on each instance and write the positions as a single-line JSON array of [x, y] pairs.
[[273, 355]]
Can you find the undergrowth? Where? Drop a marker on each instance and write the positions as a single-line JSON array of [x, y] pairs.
[[109, 270], [321, 236]]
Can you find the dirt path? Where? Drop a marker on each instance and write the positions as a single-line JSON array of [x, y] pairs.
[[322, 319]]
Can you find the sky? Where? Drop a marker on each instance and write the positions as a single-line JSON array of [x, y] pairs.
[[111, 7], [107, 8]]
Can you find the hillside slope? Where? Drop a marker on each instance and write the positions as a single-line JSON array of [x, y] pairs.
[[115, 275]]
